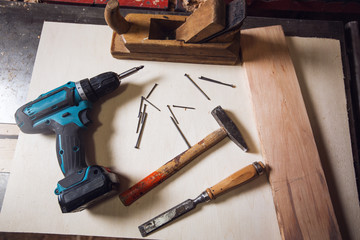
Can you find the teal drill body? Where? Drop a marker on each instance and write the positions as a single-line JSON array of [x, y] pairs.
[[64, 111]]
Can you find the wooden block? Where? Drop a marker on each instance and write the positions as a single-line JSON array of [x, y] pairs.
[[150, 38], [302, 201], [204, 22]]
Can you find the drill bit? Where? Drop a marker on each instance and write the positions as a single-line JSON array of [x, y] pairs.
[[129, 72]]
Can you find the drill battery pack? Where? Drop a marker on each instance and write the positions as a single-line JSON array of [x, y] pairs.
[[85, 188]]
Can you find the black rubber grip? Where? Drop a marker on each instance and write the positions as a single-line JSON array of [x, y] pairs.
[[104, 83], [70, 154]]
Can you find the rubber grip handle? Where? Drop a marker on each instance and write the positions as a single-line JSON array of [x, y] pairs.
[[171, 167], [238, 178], [70, 154]]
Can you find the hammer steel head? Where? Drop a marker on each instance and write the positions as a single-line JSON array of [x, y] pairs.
[[229, 126]]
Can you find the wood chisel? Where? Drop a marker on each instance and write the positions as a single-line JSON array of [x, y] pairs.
[[238, 178]]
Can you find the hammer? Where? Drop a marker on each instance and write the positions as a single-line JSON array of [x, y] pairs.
[[227, 128]]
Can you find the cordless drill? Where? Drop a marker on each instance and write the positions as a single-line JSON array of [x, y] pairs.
[[64, 111]]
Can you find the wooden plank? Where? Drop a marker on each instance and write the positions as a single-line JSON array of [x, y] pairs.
[[302, 201], [8, 139]]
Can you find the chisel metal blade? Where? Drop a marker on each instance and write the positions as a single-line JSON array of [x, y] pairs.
[[171, 214]]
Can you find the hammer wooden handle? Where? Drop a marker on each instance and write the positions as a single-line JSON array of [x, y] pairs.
[[171, 167], [238, 178]]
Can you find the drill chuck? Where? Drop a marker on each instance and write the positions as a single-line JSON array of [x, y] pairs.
[[103, 84], [99, 86]]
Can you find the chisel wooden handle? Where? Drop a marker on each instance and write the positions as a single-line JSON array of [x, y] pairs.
[[171, 167], [238, 178]]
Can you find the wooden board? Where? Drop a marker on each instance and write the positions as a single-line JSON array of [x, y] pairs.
[[302, 201]]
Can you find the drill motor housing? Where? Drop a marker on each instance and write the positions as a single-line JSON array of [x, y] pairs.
[[64, 111]]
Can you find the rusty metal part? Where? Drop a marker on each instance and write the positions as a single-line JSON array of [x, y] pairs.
[[141, 104], [232, 131], [140, 114], [238, 178], [187, 75], [143, 117], [177, 106], [152, 104], [216, 81], [181, 133], [151, 90], [172, 214], [141, 130], [260, 168], [139, 121], [168, 106]]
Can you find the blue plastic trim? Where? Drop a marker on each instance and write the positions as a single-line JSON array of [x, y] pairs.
[[50, 102], [71, 112], [61, 155]]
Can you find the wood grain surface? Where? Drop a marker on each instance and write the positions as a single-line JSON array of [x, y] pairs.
[[150, 38], [236, 179], [114, 19], [112, 137], [171, 167], [302, 201], [8, 138], [204, 22]]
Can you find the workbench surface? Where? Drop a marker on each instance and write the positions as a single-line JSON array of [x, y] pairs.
[[21, 26], [18, 56]]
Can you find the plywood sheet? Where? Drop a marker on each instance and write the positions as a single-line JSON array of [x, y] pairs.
[[67, 52], [302, 200], [70, 52], [325, 103]]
